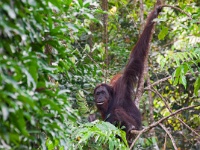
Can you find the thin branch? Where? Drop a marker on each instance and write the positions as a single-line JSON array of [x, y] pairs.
[[165, 143], [157, 82], [88, 54], [166, 78], [151, 110], [171, 137], [178, 10], [172, 114], [163, 99], [141, 15], [105, 34], [188, 127], [170, 43], [168, 107], [140, 133], [156, 123]]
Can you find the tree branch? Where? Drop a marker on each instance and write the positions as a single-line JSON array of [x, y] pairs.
[[165, 143], [157, 123], [171, 137], [151, 110], [178, 10], [166, 104], [164, 79], [105, 35]]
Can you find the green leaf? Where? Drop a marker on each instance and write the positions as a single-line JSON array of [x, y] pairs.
[[182, 80], [68, 3], [55, 3], [184, 69], [90, 16], [80, 2], [111, 144], [20, 122], [5, 112], [26, 99], [176, 75], [163, 33], [177, 60], [30, 80], [197, 86], [10, 11], [73, 27]]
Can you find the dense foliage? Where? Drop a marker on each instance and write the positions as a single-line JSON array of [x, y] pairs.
[[52, 56], [44, 67]]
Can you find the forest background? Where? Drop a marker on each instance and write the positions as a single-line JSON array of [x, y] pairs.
[[54, 52]]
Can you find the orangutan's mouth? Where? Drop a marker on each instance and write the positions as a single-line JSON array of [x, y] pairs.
[[100, 103]]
